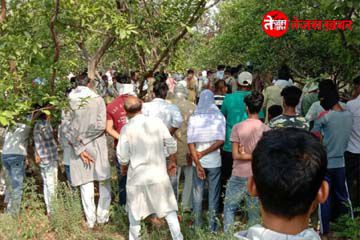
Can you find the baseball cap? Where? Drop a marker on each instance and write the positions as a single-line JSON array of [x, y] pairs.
[[245, 79]]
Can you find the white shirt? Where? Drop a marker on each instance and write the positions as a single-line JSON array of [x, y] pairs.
[[167, 112], [211, 160], [141, 146], [354, 141], [16, 139]]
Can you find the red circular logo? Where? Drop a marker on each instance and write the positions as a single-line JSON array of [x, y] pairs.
[[275, 23]]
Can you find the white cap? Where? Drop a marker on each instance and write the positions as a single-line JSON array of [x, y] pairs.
[[245, 79]]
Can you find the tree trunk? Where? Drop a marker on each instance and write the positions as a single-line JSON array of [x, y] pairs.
[[56, 44], [94, 60], [3, 11]]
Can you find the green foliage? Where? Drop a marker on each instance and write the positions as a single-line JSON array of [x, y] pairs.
[[347, 227], [239, 38]]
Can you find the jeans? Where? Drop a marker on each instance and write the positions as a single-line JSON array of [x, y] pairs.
[[49, 174], [236, 192], [338, 202], [186, 197], [352, 166], [15, 170], [67, 173], [213, 176], [121, 184], [171, 218]]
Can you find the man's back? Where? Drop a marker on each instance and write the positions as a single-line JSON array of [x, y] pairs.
[[336, 128], [142, 142], [115, 111], [354, 141], [234, 110], [168, 113]]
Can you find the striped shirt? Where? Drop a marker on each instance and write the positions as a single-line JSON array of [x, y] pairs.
[[45, 144], [219, 99]]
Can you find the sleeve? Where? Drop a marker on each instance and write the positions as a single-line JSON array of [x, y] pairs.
[[37, 138], [169, 141], [80, 140], [123, 148], [234, 137], [176, 119], [98, 128], [108, 115], [224, 107]]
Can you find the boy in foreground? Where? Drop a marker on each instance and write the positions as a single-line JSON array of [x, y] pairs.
[[289, 167]]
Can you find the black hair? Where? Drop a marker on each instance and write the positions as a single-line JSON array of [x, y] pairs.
[[190, 71], [254, 102], [274, 111], [288, 166], [328, 94], [284, 73], [291, 95], [160, 89], [356, 80], [133, 107], [220, 67], [122, 78]]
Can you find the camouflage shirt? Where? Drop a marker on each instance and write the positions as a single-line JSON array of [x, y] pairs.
[[284, 121]]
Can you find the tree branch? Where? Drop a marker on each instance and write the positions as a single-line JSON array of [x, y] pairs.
[[172, 44], [212, 5], [3, 11], [94, 61], [56, 43], [84, 51]]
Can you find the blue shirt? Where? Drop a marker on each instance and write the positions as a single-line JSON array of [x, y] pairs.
[[335, 128]]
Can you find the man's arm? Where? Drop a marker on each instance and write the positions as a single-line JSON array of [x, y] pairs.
[[111, 130], [123, 151], [211, 149], [238, 152], [194, 154]]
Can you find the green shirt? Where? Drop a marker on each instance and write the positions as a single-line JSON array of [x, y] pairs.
[[234, 109]]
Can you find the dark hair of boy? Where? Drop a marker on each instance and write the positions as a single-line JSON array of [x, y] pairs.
[[328, 94], [221, 67], [190, 71], [356, 80], [289, 167], [254, 102], [274, 111], [291, 96], [160, 89], [284, 73]]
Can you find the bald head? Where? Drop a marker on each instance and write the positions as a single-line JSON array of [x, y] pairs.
[[132, 105]]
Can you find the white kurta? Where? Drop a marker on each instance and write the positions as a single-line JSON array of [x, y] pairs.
[[148, 187]]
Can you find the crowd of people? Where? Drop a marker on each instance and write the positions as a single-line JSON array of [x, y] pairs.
[[277, 155]]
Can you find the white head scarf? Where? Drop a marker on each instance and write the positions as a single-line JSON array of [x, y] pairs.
[[207, 123]]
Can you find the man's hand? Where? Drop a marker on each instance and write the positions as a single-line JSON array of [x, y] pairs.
[[200, 172], [123, 170], [171, 168], [199, 155], [37, 159], [86, 158], [189, 159]]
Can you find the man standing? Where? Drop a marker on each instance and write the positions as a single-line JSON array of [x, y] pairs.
[[13, 158], [141, 150], [272, 94], [168, 113], [187, 108], [327, 127], [89, 160], [291, 97], [352, 154], [234, 110], [115, 120]]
